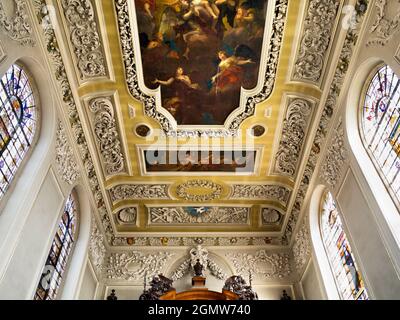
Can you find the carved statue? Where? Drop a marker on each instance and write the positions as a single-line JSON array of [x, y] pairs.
[[112, 295], [158, 287], [198, 269], [238, 285]]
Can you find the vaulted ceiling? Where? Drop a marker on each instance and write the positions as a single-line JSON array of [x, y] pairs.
[[126, 121]]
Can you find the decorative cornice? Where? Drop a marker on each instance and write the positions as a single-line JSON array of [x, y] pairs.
[[84, 35], [134, 266], [325, 120], [384, 28], [275, 265], [139, 191], [107, 136], [336, 156], [65, 160], [18, 26], [274, 46], [260, 192], [187, 241], [317, 34], [214, 190], [294, 130], [97, 249], [199, 215]]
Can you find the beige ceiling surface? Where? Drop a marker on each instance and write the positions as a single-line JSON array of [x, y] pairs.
[[101, 48]]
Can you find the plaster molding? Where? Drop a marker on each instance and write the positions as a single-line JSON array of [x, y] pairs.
[[386, 24], [212, 215], [66, 165], [190, 241], [294, 131], [2, 53], [107, 135], [302, 247], [260, 192], [262, 264], [135, 265], [139, 191], [127, 215], [97, 249], [17, 27], [331, 170], [84, 37], [214, 190], [270, 216], [316, 38]]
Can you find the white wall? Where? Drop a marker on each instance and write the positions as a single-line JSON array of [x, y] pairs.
[[89, 284], [310, 284], [31, 209]]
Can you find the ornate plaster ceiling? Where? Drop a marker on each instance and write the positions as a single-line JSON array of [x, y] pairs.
[[117, 121]]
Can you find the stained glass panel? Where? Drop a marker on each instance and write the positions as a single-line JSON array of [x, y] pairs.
[[56, 263], [17, 123], [381, 126], [347, 276]]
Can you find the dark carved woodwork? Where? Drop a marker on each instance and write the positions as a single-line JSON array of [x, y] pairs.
[[238, 285]]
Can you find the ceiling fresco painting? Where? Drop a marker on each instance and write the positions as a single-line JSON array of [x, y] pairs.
[[222, 84], [203, 161], [201, 53]]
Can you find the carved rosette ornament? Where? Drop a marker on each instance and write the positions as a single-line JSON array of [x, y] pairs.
[[134, 266], [127, 215], [270, 216], [126, 38], [199, 215], [317, 34], [85, 39], [213, 190], [107, 136], [275, 265], [65, 160], [198, 255], [97, 249], [294, 129], [139, 191], [17, 27], [336, 156]]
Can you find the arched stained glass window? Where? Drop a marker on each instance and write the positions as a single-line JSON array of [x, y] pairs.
[[341, 259], [380, 124], [17, 123], [57, 259]]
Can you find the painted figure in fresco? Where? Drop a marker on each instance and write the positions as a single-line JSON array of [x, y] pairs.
[[145, 15], [230, 72], [179, 76], [227, 8], [189, 35]]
